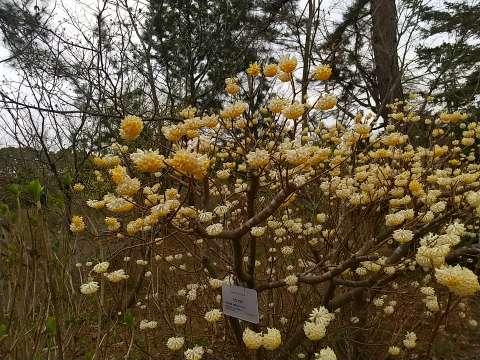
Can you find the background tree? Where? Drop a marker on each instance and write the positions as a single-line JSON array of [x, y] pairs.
[[451, 54], [198, 44]]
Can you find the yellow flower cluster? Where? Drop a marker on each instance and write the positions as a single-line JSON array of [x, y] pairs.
[[252, 339], [189, 163], [128, 186], [410, 340], [452, 117], [213, 316], [434, 248], [254, 70], [258, 159], [308, 156], [231, 86], [175, 343], [326, 354], [293, 111], [316, 327], [322, 72], [188, 112], [270, 341], [107, 161], [277, 105], [77, 225], [190, 127], [234, 110], [147, 161], [459, 280], [326, 102], [118, 204], [131, 127], [78, 187], [116, 276], [287, 64], [89, 288], [270, 70], [112, 223]]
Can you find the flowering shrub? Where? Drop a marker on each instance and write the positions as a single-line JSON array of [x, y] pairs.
[[318, 219]]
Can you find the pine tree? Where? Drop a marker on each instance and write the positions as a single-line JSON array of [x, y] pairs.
[[200, 43], [363, 50], [455, 61], [20, 25]]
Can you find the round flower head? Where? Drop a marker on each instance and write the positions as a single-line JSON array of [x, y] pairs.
[[326, 354], [403, 236], [129, 186], [147, 161], [294, 111], [287, 64], [257, 231], [89, 288], [189, 163], [459, 280], [322, 72], [116, 276], [213, 316], [118, 174], [231, 87], [188, 112], [112, 223], [175, 343], [314, 331], [258, 159], [215, 229], [78, 187], [215, 283], [108, 161], [253, 70], [77, 225], [291, 280], [131, 127], [102, 267], [194, 353], [326, 102], [272, 339], [394, 350], [270, 70], [276, 105], [322, 316], [388, 309], [410, 340], [180, 319], [251, 339], [119, 205], [146, 325]]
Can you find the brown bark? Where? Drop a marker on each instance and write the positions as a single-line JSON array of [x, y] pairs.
[[384, 43]]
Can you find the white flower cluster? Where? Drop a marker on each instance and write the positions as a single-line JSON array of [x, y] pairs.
[[316, 326]]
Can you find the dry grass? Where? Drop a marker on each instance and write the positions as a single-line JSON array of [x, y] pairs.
[[45, 317]]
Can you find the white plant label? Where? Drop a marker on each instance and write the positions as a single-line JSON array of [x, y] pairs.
[[240, 303]]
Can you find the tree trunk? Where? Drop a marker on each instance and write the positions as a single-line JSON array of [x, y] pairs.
[[384, 42]]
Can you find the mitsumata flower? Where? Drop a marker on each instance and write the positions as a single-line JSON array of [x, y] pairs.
[[278, 199], [131, 127], [459, 280], [89, 288], [322, 72], [77, 225]]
